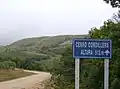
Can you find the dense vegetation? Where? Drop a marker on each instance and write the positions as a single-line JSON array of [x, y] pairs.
[[7, 65]]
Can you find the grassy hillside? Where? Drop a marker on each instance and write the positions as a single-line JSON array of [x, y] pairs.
[[40, 42], [40, 47]]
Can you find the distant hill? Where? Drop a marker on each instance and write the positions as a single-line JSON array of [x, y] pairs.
[[39, 46]]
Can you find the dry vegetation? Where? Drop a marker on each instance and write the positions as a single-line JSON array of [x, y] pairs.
[[13, 74]]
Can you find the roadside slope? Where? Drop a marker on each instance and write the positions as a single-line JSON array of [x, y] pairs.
[[29, 82]]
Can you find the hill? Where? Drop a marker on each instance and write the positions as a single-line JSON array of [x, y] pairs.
[[41, 45], [38, 47]]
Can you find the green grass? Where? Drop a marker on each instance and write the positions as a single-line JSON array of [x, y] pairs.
[[13, 74]]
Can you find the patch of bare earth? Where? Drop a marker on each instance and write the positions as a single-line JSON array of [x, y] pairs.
[[31, 82]]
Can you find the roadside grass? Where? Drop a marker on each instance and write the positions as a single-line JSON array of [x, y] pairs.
[[6, 75]]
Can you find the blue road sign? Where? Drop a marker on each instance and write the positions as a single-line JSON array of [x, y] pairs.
[[92, 48]]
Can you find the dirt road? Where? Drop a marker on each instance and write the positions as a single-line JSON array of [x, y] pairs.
[[30, 82]]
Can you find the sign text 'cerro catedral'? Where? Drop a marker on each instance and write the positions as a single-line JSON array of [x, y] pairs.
[[92, 48]]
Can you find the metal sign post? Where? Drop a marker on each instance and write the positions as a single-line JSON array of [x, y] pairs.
[[106, 74], [77, 73], [92, 48]]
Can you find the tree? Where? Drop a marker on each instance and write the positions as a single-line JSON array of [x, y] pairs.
[[2, 66], [116, 17], [64, 70], [113, 3], [17, 61], [115, 84], [110, 30], [9, 64]]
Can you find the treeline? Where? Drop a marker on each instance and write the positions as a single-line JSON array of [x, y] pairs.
[[7, 65], [27, 63]]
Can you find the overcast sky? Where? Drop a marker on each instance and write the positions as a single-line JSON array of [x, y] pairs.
[[28, 18]]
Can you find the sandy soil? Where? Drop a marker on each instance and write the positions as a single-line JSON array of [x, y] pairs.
[[30, 82]]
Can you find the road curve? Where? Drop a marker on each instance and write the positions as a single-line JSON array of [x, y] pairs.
[[26, 82]]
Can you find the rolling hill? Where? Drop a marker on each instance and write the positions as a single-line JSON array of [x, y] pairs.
[[38, 46]]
